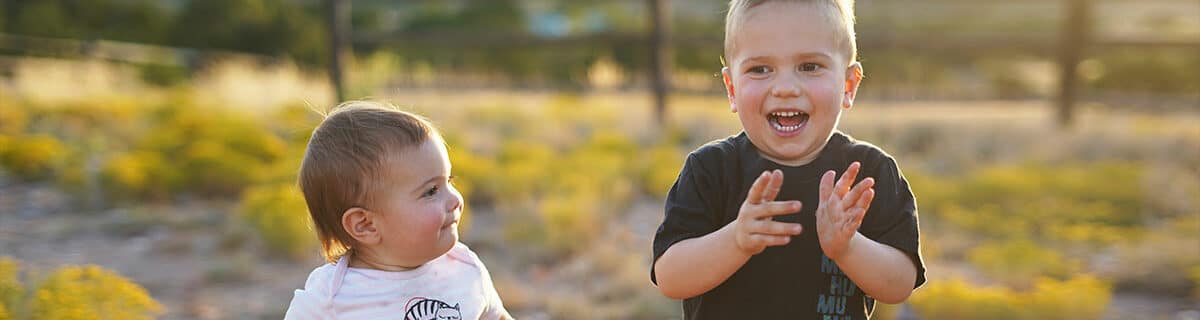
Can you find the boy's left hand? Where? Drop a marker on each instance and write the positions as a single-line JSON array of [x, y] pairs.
[[841, 210]]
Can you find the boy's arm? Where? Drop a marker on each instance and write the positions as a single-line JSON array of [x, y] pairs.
[[883, 272], [679, 274], [694, 266]]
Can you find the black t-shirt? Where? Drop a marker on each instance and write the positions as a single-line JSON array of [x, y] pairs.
[[793, 281]]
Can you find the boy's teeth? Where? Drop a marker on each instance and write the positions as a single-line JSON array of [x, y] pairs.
[[796, 118]]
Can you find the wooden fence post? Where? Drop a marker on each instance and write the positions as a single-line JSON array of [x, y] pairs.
[[660, 57], [339, 36], [1074, 37]]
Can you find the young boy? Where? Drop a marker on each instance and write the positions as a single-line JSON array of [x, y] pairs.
[[377, 184], [736, 243]]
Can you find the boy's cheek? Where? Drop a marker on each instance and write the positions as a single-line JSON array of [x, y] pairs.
[[749, 91]]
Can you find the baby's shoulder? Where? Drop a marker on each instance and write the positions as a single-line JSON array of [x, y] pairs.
[[462, 255], [320, 280]]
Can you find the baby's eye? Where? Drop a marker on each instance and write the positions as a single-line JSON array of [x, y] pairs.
[[810, 67], [431, 192]]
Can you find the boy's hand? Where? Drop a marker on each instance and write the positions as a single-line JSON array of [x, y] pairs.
[[841, 210], [754, 229]]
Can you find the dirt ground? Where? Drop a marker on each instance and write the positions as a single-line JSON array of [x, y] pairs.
[[190, 259]]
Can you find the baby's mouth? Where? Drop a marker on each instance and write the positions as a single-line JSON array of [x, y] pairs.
[[787, 121]]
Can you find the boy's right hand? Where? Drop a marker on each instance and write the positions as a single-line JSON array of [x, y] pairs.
[[754, 229]]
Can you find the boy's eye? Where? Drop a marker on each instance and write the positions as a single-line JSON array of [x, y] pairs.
[[758, 69], [431, 192], [810, 67]]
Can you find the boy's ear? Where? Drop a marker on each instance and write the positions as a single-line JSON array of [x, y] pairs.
[[854, 76], [727, 76], [360, 224]]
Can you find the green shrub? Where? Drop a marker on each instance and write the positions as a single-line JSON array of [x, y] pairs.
[[474, 176], [1018, 263], [163, 75], [1073, 203], [33, 158], [91, 292], [12, 292], [212, 168], [884, 311], [661, 168], [1194, 274], [1081, 297], [216, 153], [605, 175], [279, 215], [606, 161], [570, 221], [13, 119], [1141, 70], [957, 299], [139, 175], [1166, 256], [523, 169]]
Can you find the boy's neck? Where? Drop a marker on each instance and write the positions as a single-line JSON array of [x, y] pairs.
[[791, 163], [799, 161]]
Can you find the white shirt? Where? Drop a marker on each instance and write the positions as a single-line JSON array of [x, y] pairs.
[[456, 285]]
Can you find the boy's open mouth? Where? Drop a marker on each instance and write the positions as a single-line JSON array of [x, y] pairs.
[[787, 121]]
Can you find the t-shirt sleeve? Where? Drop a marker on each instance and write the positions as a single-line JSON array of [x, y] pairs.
[[892, 218], [493, 307], [312, 302], [689, 213]]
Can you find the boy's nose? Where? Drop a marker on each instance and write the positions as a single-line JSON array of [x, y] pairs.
[[786, 86]]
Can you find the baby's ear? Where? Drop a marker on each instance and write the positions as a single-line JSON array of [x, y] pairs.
[[854, 76], [360, 224]]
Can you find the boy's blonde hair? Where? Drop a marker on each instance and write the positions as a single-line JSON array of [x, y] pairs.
[[841, 11], [344, 160]]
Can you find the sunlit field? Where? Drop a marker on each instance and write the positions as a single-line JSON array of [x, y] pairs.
[[184, 197]]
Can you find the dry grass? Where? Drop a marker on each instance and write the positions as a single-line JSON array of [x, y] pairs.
[[238, 85], [933, 137]]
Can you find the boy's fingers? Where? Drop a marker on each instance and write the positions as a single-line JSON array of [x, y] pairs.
[[774, 183], [843, 184], [826, 188], [775, 208], [756, 189], [852, 198], [856, 221], [864, 201], [770, 240], [771, 227]]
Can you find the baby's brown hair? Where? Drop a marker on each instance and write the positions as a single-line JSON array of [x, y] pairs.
[[345, 159]]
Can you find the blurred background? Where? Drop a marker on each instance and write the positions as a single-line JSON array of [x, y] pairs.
[[149, 149]]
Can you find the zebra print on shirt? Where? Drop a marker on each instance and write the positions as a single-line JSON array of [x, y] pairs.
[[429, 309]]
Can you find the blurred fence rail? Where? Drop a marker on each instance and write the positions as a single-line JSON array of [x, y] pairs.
[[1064, 33], [117, 51]]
